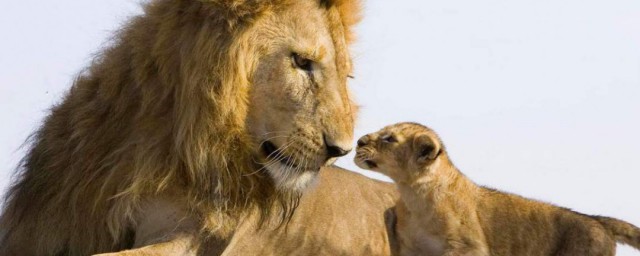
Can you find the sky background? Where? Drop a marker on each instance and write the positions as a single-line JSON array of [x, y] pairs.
[[535, 97]]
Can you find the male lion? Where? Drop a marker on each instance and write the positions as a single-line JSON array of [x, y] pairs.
[[442, 212], [195, 132]]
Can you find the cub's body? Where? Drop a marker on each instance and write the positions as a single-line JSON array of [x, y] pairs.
[[442, 212]]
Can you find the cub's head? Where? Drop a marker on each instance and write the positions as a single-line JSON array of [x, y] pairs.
[[300, 113], [399, 151]]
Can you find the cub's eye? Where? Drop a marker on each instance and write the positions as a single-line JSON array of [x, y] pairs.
[[388, 139], [302, 62]]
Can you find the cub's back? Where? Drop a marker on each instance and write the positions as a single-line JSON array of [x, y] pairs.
[[513, 223]]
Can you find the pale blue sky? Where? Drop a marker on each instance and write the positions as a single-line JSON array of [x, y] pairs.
[[537, 97]]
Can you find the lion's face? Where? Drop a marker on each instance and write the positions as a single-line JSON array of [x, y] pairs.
[[300, 114]]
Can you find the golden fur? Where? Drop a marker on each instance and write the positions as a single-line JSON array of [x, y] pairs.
[[441, 212], [344, 213], [175, 115]]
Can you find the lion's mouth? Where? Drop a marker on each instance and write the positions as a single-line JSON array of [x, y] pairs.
[[274, 153]]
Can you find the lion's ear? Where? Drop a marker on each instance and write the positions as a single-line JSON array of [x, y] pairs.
[[425, 148]]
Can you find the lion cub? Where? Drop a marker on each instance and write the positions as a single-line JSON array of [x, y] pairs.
[[442, 212]]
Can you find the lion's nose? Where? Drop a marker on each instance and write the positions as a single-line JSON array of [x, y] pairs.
[[334, 150]]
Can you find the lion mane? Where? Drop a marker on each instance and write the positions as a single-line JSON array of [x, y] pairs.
[[161, 111]]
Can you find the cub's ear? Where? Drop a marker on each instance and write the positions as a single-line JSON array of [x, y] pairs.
[[426, 148]]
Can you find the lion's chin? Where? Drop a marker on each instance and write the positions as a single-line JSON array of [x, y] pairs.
[[290, 179]]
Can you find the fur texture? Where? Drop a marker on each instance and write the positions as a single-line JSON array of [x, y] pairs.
[[164, 112]]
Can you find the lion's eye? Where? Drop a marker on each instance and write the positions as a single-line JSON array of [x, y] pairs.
[[302, 62], [388, 138]]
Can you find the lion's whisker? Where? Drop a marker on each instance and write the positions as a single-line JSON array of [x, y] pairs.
[[278, 157]]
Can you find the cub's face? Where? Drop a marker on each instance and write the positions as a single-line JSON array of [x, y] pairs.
[[398, 151]]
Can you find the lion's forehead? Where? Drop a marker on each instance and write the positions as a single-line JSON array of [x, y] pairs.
[[319, 34]]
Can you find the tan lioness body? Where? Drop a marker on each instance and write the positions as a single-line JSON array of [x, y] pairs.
[[442, 212]]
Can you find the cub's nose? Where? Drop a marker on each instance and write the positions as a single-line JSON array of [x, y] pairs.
[[363, 141]]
